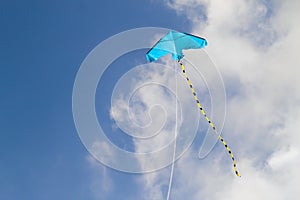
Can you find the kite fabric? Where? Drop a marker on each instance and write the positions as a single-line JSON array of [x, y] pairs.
[[174, 42]]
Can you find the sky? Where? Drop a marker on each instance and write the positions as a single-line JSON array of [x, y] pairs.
[[252, 44]]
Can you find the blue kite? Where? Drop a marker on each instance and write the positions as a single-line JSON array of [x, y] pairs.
[[173, 43]]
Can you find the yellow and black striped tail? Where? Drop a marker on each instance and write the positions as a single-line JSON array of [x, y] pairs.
[[208, 120]]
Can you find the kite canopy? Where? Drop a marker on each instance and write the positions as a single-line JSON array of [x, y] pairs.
[[174, 42]]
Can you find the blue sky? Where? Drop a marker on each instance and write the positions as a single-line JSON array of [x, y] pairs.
[[42, 46], [254, 45]]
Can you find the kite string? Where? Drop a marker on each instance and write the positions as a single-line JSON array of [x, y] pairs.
[[175, 137], [208, 120]]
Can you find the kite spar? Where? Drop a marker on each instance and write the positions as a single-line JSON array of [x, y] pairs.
[[173, 43]]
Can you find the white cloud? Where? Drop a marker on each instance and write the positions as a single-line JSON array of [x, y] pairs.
[[255, 45], [284, 157]]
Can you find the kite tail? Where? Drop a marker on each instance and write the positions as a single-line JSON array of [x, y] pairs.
[[208, 120]]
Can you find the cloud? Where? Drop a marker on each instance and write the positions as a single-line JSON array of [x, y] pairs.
[[284, 157], [146, 111], [255, 45]]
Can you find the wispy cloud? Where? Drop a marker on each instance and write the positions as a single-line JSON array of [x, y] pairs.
[[101, 183]]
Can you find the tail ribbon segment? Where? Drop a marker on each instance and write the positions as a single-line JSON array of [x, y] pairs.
[[208, 120]]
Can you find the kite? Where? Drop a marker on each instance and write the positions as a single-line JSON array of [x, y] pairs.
[[173, 43]]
